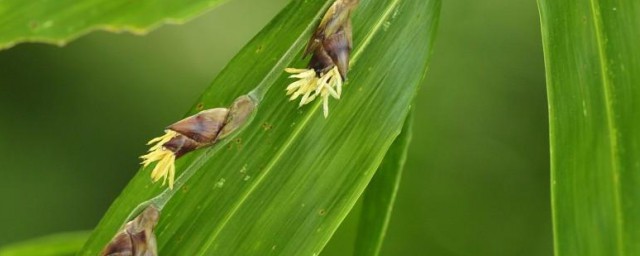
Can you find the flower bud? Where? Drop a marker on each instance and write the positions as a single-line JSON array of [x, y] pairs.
[[136, 238], [196, 131]]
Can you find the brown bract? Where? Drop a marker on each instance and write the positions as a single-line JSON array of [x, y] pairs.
[[199, 130], [136, 238], [331, 43]]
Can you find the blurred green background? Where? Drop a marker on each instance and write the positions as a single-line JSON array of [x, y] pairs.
[[75, 119]]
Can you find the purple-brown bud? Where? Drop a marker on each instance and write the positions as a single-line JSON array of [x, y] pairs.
[[137, 237], [199, 130], [331, 43]]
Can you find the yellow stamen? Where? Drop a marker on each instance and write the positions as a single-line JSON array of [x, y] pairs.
[[165, 168], [310, 85]]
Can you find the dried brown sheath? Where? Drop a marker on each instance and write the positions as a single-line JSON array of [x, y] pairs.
[[239, 112]]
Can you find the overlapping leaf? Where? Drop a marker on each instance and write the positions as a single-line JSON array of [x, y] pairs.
[[593, 77], [380, 195], [58, 21]]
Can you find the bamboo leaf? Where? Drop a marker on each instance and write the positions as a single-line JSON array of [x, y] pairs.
[[59, 21], [52, 245], [284, 183], [380, 195], [593, 72]]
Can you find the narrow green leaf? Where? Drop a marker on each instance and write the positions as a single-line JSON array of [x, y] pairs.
[[380, 195], [593, 77], [59, 21], [285, 182], [53, 245]]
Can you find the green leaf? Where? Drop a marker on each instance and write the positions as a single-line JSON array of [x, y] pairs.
[[60, 21], [52, 245], [284, 183], [380, 195], [593, 76]]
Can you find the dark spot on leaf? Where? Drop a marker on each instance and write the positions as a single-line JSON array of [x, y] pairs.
[[200, 106], [322, 212]]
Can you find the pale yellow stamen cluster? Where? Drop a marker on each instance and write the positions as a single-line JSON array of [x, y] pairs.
[[165, 168], [309, 85]]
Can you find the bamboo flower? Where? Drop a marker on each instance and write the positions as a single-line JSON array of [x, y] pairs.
[[184, 136], [329, 47], [194, 132]]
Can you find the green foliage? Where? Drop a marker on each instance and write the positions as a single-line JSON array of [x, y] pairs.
[[59, 21], [284, 183], [54, 245], [593, 72]]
